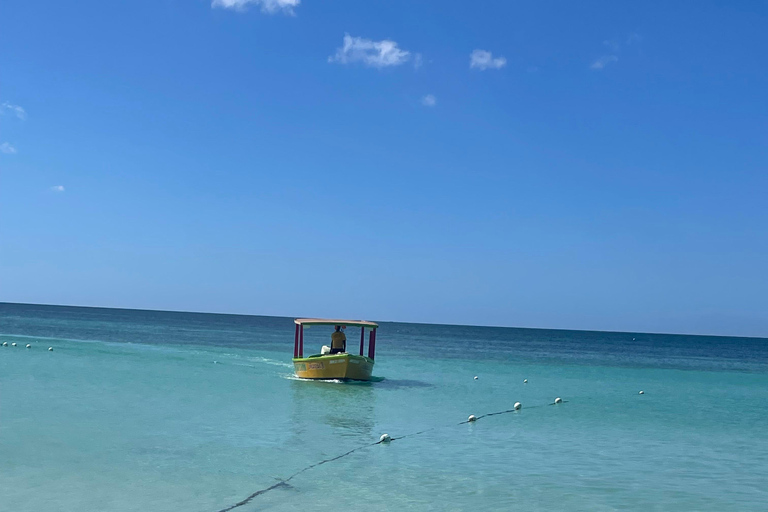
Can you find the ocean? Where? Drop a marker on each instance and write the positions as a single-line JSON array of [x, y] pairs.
[[163, 411]]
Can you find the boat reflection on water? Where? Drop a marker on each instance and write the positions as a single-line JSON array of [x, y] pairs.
[[345, 408]]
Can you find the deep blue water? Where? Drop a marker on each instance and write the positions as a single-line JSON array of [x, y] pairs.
[[144, 410]]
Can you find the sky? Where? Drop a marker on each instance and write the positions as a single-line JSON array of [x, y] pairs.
[[575, 165]]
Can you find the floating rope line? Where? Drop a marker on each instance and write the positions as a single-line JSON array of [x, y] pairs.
[[284, 483], [383, 440]]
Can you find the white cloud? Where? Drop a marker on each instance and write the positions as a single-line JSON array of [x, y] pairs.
[[603, 61], [615, 49], [7, 148], [483, 60], [269, 6], [375, 54], [418, 60], [57, 188], [429, 100], [15, 109]]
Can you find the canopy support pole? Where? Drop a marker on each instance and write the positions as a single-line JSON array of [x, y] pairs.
[[372, 344], [362, 339], [296, 342], [301, 341]]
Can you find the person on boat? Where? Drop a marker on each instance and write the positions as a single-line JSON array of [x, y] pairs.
[[338, 341]]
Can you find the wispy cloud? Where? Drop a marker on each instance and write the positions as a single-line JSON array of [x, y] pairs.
[[483, 60], [7, 148], [375, 54], [429, 100], [603, 61], [269, 6], [418, 60], [57, 188], [612, 45], [614, 48], [14, 110]]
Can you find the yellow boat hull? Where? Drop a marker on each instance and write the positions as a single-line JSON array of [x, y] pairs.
[[334, 366]]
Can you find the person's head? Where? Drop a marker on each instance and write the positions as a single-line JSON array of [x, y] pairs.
[[338, 328]]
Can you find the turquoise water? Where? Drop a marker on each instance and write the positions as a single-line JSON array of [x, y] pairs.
[[138, 410]]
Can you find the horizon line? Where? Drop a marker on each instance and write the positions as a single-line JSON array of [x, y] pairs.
[[387, 321]]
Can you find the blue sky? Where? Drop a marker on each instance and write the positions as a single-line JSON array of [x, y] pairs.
[[586, 165]]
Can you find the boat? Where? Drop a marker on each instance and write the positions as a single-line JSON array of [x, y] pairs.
[[341, 365]]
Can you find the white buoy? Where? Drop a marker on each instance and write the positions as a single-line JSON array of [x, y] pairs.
[[29, 346], [5, 343], [471, 418], [50, 349], [475, 377], [518, 405], [558, 400], [13, 344], [642, 392], [385, 438], [525, 381]]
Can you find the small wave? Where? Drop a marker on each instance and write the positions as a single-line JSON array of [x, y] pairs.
[[235, 364], [290, 376], [273, 362], [51, 338]]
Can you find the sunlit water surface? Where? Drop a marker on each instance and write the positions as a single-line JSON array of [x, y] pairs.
[[156, 411]]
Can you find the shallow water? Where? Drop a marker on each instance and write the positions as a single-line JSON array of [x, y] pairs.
[[137, 410]]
